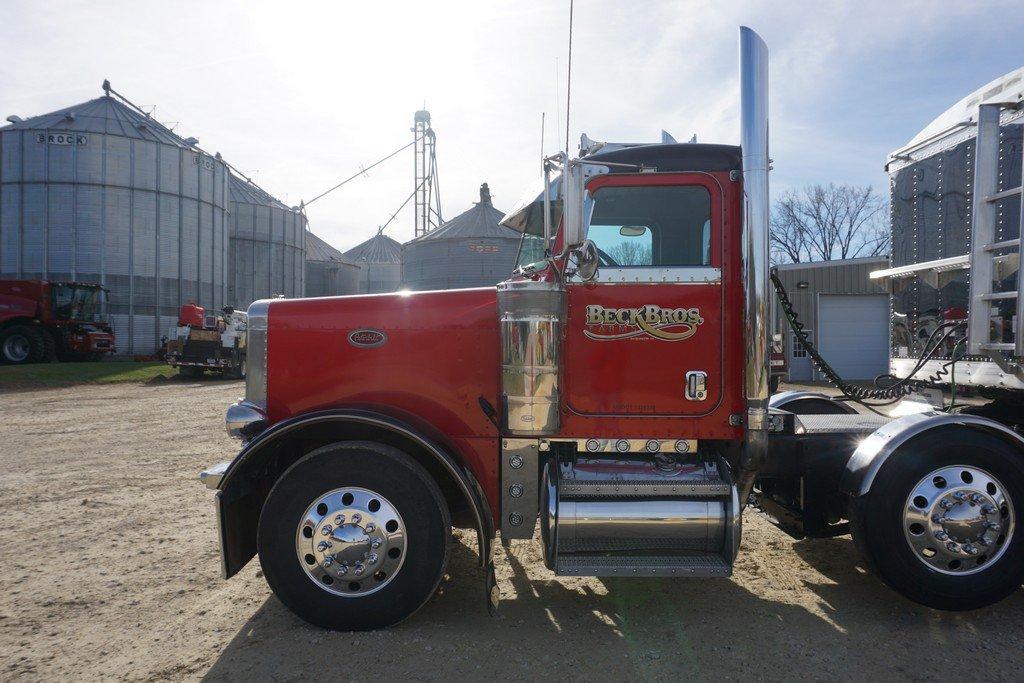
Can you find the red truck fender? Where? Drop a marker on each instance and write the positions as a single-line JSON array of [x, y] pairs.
[[250, 476]]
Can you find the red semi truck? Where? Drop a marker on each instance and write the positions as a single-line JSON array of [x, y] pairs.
[[623, 408], [41, 321]]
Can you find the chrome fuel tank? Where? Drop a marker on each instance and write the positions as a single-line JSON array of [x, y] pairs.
[[531, 318]]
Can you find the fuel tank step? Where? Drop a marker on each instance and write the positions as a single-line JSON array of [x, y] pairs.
[[692, 566], [639, 515], [633, 478]]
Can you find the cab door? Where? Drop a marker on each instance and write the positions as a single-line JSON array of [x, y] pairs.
[[644, 337]]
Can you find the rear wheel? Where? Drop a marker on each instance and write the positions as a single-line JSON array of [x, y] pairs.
[[941, 524], [20, 344], [354, 536]]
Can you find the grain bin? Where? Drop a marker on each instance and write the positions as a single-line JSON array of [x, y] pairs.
[[102, 192], [470, 250], [328, 271], [380, 262], [266, 245]]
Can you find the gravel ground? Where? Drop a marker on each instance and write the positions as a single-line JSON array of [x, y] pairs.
[[109, 569]]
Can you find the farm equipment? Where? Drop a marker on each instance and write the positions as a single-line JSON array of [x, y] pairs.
[[622, 409], [42, 321], [202, 341]]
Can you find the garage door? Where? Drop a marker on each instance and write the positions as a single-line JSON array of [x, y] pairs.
[[853, 334]]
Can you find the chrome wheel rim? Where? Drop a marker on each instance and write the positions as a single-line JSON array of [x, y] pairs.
[[958, 520], [351, 542], [17, 348]]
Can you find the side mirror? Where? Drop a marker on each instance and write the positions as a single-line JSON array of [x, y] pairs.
[[572, 212], [588, 261]]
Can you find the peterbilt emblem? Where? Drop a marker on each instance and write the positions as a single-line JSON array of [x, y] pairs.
[[367, 339], [666, 324]]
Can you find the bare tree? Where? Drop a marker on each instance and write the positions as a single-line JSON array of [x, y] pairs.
[[631, 253], [825, 223]]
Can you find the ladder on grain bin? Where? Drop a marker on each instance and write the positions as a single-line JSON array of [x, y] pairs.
[[989, 258]]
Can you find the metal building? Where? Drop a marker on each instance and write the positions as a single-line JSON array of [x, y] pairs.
[[328, 271], [470, 250], [102, 192], [380, 264], [266, 245], [845, 313]]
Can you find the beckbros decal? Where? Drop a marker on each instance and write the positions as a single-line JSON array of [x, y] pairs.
[[666, 324]]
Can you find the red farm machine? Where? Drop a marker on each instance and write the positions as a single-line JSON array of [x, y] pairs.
[[42, 321], [622, 409]]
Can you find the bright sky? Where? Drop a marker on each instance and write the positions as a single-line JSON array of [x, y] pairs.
[[302, 94]]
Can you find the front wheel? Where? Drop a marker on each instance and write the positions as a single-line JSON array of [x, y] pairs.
[[354, 536], [941, 524], [20, 344]]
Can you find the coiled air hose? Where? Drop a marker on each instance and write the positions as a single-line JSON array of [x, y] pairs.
[[880, 396]]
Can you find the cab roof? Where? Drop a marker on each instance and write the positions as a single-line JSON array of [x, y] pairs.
[[674, 158]]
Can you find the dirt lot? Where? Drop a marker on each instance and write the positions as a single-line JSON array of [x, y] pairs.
[[108, 569]]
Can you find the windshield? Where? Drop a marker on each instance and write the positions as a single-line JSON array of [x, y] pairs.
[[72, 302]]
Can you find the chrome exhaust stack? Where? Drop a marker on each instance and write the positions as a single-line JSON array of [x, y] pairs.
[[754, 143]]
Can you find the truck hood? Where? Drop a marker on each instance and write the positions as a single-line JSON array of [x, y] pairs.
[[428, 354]]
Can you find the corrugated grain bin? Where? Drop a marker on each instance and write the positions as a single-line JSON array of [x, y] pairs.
[[266, 245], [380, 264], [471, 250], [102, 192], [328, 271]]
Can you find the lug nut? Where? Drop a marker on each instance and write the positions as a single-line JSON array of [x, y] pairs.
[[937, 519], [984, 542], [356, 518], [988, 509], [970, 549], [994, 526], [328, 561], [371, 527], [975, 497], [342, 570], [960, 496], [339, 520], [323, 545], [359, 568], [372, 558], [941, 535], [326, 531], [945, 504], [375, 543], [951, 546]]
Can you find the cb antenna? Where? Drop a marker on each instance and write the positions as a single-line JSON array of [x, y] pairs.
[[568, 82]]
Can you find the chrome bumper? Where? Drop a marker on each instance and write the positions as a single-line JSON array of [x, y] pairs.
[[211, 476]]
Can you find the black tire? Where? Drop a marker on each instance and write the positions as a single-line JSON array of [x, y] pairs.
[[22, 344], [876, 520], [49, 347], [387, 472]]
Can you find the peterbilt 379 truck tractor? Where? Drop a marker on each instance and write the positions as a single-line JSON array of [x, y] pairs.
[[614, 391]]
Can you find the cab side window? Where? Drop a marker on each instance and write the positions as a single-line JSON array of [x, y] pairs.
[[652, 226]]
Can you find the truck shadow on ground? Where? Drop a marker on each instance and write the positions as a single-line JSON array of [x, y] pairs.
[[630, 628]]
